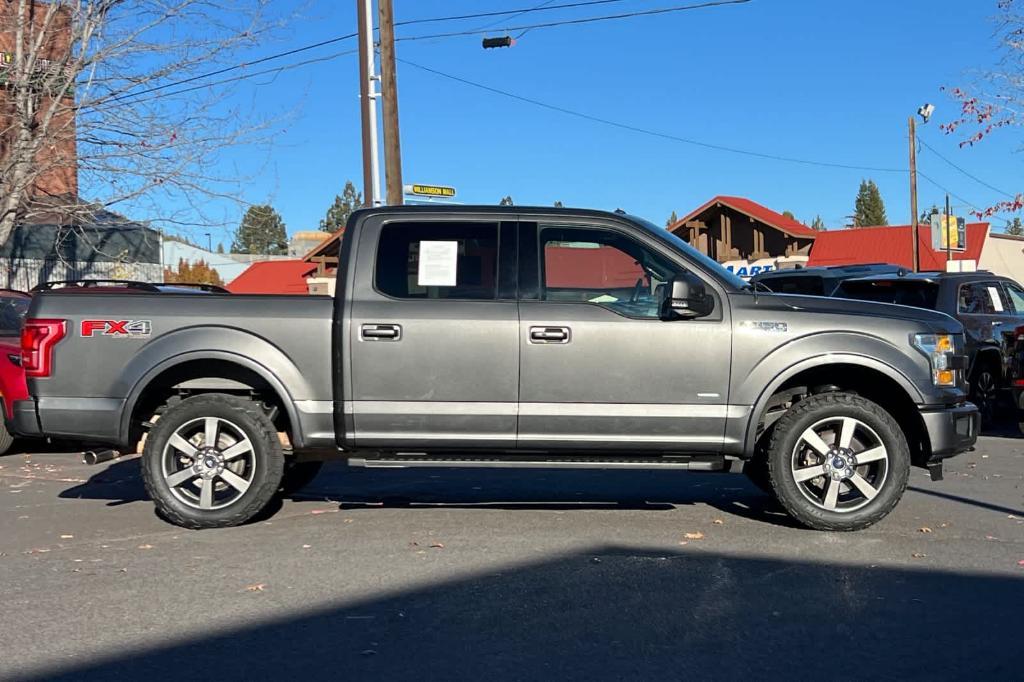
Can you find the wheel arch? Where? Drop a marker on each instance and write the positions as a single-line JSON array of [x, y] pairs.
[[874, 380], [207, 372]]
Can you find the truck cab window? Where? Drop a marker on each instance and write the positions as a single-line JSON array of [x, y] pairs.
[[438, 260], [583, 265]]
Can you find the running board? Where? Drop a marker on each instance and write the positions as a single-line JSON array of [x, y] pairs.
[[408, 460]]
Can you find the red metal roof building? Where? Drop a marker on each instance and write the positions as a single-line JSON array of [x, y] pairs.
[[730, 228], [273, 277], [891, 245]]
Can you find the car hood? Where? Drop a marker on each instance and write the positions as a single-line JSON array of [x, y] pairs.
[[933, 319]]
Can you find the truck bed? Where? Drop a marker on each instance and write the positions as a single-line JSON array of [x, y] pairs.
[[113, 344]]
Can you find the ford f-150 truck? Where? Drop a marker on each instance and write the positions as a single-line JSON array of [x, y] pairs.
[[504, 337]]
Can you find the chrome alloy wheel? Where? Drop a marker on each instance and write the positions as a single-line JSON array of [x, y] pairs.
[[208, 463], [839, 464]]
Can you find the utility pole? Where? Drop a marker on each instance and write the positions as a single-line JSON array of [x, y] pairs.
[[949, 240], [368, 104], [389, 88], [913, 191]]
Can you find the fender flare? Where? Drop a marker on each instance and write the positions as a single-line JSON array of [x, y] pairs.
[[819, 361], [263, 372]]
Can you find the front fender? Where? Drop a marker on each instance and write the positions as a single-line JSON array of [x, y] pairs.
[[755, 386]]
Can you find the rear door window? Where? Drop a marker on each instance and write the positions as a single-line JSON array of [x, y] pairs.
[[438, 260], [916, 294], [982, 298]]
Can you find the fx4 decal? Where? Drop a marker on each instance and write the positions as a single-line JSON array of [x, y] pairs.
[[121, 329]]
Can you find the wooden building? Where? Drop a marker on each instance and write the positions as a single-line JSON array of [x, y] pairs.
[[735, 228]]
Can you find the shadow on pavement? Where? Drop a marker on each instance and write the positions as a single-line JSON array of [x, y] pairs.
[[968, 501], [120, 483], [624, 614]]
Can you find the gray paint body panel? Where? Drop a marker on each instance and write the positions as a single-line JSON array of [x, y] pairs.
[[464, 374]]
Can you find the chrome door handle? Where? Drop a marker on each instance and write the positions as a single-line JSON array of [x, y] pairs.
[[380, 332], [549, 335]]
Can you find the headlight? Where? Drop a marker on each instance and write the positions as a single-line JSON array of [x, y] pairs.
[[938, 348]]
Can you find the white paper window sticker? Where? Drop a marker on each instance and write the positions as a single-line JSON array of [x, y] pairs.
[[997, 302], [438, 264]]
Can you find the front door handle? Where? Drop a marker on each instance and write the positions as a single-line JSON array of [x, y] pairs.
[[549, 335], [380, 332]]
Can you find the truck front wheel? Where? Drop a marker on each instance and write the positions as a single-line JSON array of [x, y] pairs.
[[838, 462], [212, 461]]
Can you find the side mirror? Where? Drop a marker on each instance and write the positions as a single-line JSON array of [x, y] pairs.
[[684, 298]]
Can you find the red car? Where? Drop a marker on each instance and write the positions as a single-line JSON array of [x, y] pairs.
[[13, 306]]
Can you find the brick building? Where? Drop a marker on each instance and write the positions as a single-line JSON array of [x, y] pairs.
[[57, 180]]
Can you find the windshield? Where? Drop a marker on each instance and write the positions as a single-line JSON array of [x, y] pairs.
[[918, 294], [707, 263], [12, 314]]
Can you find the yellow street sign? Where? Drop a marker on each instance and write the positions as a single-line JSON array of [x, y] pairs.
[[430, 191]]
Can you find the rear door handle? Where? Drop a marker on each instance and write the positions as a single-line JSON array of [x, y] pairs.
[[549, 335], [380, 332]]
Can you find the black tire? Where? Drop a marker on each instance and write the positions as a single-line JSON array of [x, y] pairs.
[[298, 475], [985, 390], [789, 431], [6, 439], [265, 455]]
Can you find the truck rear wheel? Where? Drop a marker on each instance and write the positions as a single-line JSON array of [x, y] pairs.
[[838, 462], [212, 461]]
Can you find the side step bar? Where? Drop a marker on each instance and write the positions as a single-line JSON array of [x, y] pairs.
[[409, 460]]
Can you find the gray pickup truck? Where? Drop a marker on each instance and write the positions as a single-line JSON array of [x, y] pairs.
[[504, 337]]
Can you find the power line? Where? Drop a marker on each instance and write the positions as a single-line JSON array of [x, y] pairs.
[[646, 131], [543, 7], [586, 20], [226, 69], [972, 177], [277, 69], [338, 39]]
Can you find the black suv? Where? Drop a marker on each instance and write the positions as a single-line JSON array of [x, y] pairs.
[[989, 306], [818, 280]]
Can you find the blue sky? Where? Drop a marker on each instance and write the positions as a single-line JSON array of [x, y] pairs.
[[815, 79]]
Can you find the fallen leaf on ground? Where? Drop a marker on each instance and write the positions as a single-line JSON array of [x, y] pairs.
[[944, 525], [145, 546], [257, 587], [437, 545], [37, 550], [306, 546], [924, 529], [718, 522], [67, 537], [918, 555], [694, 536]]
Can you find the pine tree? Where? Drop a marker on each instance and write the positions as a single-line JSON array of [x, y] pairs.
[[558, 204], [869, 210], [342, 208], [506, 201], [262, 232], [818, 224], [1014, 228], [220, 247], [672, 220]]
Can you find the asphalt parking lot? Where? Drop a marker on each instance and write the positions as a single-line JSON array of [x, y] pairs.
[[436, 574]]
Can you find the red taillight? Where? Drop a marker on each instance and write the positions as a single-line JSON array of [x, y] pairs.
[[38, 337]]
